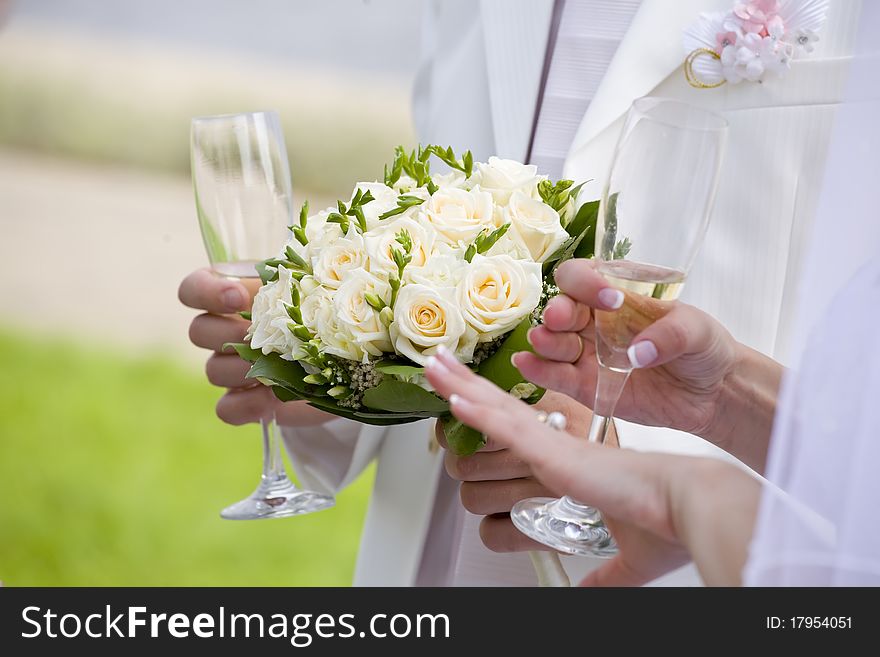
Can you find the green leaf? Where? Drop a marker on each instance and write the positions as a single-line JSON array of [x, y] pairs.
[[245, 314], [402, 397], [497, 368], [286, 373], [285, 394], [583, 218], [462, 439], [393, 368], [244, 350]]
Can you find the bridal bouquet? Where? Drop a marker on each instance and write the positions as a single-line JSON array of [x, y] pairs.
[[365, 292]]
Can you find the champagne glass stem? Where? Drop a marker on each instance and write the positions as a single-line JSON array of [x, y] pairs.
[[273, 466], [608, 388]]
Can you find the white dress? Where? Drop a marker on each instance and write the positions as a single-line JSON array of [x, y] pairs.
[[817, 523]]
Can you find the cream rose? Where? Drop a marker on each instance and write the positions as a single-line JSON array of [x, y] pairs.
[[535, 224], [357, 316], [332, 261], [426, 318], [380, 241], [443, 269], [452, 178], [503, 177], [457, 216], [269, 331], [497, 292]]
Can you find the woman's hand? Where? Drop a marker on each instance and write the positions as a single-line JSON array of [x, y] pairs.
[[689, 373], [494, 479], [245, 400], [660, 508]]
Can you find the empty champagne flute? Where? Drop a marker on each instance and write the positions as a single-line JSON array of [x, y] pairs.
[[241, 180], [654, 214]]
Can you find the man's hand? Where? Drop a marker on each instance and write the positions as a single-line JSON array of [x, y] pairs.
[[245, 400], [494, 479]]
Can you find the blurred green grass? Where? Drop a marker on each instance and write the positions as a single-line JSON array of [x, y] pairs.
[[113, 468]]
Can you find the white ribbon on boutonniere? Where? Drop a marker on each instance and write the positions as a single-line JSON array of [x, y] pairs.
[[753, 41]]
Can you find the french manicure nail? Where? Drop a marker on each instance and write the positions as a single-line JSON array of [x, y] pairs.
[[529, 337], [233, 299], [432, 362], [458, 401], [513, 359], [611, 298], [642, 354]]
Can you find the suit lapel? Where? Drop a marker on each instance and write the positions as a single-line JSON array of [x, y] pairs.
[[515, 34], [650, 51]]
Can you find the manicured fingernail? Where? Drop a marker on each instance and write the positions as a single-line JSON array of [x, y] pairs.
[[529, 337], [458, 401], [434, 364], [234, 299], [445, 356], [513, 359], [610, 298], [642, 354]]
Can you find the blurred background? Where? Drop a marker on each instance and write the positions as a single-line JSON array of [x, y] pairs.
[[113, 466]]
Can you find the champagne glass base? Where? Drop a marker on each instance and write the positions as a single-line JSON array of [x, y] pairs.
[[277, 499], [564, 525]]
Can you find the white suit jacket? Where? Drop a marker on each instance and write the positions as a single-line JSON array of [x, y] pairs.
[[478, 88]]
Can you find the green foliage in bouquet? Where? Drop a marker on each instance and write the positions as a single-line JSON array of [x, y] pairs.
[[390, 389]]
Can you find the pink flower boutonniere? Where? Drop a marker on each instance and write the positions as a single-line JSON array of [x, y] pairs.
[[754, 40]]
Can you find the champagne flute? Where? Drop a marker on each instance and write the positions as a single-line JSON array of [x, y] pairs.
[[243, 197], [654, 213]]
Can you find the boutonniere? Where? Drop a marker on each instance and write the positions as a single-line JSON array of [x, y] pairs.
[[754, 40]]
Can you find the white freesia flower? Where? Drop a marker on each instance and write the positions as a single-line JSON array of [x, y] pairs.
[[269, 330], [357, 316], [381, 240], [426, 318], [503, 177], [497, 292], [536, 224], [404, 184], [316, 303], [332, 261], [384, 199], [457, 216], [320, 232]]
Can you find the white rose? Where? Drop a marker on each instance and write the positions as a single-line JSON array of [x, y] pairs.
[[443, 269], [269, 331], [457, 216], [497, 292], [332, 261], [536, 224], [359, 317], [453, 178], [503, 177], [426, 318], [381, 240]]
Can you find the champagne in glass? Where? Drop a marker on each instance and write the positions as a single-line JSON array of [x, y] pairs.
[[648, 293], [243, 196], [658, 198]]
